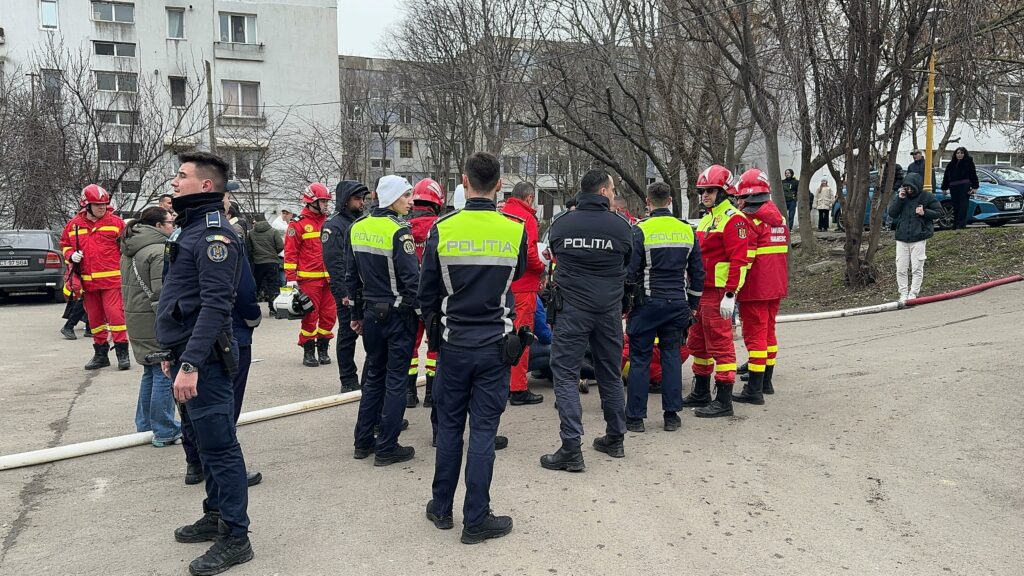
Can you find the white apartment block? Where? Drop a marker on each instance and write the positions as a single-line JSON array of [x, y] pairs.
[[271, 62]]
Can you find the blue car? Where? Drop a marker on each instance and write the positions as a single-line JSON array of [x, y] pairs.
[[992, 204], [1007, 176]]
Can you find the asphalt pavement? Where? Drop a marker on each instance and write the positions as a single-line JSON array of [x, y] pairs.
[[892, 446]]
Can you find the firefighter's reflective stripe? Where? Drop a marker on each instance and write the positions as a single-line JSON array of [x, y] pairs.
[[773, 249], [725, 367], [98, 275], [304, 274], [117, 327], [309, 235], [290, 266]]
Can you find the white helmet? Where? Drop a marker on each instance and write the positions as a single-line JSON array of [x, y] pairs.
[[459, 197]]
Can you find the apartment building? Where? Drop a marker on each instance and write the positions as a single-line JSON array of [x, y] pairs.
[[253, 67]]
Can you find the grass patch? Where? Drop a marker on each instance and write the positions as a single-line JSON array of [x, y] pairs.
[[956, 259]]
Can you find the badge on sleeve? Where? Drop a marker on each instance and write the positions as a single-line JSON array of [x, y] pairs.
[[408, 247], [741, 230], [325, 235], [217, 251], [308, 228], [291, 231]]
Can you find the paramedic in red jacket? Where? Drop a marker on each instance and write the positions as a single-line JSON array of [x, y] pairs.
[[304, 269], [723, 235], [89, 244], [767, 283], [520, 205], [427, 202]]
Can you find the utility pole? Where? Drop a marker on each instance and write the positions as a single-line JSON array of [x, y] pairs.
[[209, 107]]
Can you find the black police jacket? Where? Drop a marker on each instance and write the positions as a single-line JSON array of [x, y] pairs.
[[665, 255], [203, 269], [334, 236], [470, 260], [591, 246], [380, 259]]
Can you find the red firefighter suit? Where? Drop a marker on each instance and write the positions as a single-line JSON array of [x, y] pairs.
[[100, 271], [767, 284], [723, 237], [421, 220], [304, 263]]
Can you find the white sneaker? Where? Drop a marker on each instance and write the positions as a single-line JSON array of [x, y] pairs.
[[903, 298], [911, 296]]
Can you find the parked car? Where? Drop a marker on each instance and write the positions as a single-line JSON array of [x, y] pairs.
[[992, 204], [30, 260], [1008, 176]]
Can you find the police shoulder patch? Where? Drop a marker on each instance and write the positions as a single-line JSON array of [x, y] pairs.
[[325, 235], [217, 251], [291, 231], [218, 238], [213, 220], [408, 247], [406, 238]]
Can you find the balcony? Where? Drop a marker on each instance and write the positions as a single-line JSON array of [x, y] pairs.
[[238, 51], [232, 121]]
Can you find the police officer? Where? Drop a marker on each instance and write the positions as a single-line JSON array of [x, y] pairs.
[[470, 260], [382, 278], [724, 246], [351, 197], [194, 322], [668, 275], [592, 246]]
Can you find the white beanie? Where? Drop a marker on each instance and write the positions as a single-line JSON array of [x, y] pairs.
[[459, 197], [390, 188]]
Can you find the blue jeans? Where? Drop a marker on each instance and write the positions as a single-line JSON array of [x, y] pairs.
[[155, 410]]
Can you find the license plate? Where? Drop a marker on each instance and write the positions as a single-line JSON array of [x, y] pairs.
[[1012, 205], [13, 263]]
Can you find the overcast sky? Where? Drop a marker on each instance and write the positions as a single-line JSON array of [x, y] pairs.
[[362, 23]]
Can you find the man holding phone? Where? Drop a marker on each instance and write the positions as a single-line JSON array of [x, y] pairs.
[[913, 212]]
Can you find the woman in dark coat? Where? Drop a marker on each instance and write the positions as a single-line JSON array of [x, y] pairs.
[[961, 180]]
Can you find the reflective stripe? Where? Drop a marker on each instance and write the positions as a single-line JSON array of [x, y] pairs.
[[373, 250], [774, 348], [758, 353], [97, 275], [756, 367], [308, 334], [303, 274], [79, 232], [770, 362], [722, 275], [703, 361], [290, 266], [309, 235], [773, 250], [752, 253], [98, 329], [108, 229], [322, 331], [725, 368], [696, 293], [117, 327], [431, 363], [480, 260]]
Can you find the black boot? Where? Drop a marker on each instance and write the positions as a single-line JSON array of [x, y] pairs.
[[569, 457], [193, 474], [610, 445], [672, 421], [428, 394], [121, 351], [751, 393], [744, 368], [441, 521], [322, 344], [349, 387], [635, 425], [68, 332], [500, 442], [202, 530], [399, 454], [767, 388], [524, 397], [99, 359], [491, 527], [226, 552], [722, 405], [412, 398], [701, 394], [309, 354]]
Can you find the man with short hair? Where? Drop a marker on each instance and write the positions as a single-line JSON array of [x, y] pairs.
[[194, 322], [525, 289], [165, 203], [592, 246], [470, 261], [623, 209], [918, 164]]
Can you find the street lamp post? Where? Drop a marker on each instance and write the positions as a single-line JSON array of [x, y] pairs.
[[930, 122]]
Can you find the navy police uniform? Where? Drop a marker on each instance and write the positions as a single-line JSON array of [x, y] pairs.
[[383, 273], [469, 262], [666, 267], [592, 247], [193, 320]]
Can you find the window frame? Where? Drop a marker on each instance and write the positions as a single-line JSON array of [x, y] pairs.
[[56, 15], [240, 105], [117, 81], [402, 144], [113, 11], [115, 46], [233, 155], [184, 90], [181, 11], [123, 152], [117, 115], [246, 17]]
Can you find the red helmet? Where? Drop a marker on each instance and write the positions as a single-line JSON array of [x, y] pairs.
[[94, 194], [315, 191], [427, 190], [753, 181], [715, 177]]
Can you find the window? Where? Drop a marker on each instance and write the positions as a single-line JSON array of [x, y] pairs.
[[52, 81], [118, 117], [48, 14], [355, 112], [238, 28], [376, 162], [116, 81], [405, 149], [244, 164], [510, 164], [380, 129], [114, 49], [405, 115], [113, 12], [176, 23], [177, 92], [241, 98], [118, 152]]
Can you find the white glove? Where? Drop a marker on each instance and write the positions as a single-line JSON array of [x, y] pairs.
[[293, 284], [77, 256], [728, 305]]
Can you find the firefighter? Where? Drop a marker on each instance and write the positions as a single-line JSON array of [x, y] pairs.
[[304, 269], [89, 244], [427, 203], [766, 285], [722, 235]]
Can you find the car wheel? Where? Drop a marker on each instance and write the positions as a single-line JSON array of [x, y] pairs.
[[945, 222], [996, 224]]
